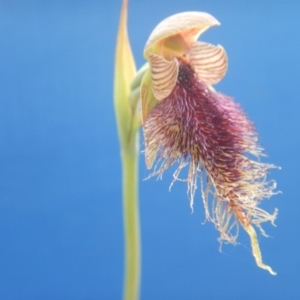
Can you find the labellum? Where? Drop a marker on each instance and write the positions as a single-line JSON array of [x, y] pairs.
[[186, 121]]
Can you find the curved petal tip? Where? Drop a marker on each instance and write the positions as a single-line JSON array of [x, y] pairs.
[[188, 24]]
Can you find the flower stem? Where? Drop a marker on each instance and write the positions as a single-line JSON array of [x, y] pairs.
[[126, 109], [131, 221]]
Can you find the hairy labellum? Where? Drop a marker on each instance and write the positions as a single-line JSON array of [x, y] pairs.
[[209, 132]]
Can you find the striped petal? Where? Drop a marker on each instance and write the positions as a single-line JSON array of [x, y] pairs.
[[209, 61], [148, 100], [164, 75]]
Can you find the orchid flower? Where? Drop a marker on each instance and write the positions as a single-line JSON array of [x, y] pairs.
[[186, 121]]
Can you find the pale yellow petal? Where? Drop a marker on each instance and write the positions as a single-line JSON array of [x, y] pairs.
[[189, 25], [209, 61], [164, 75], [148, 100]]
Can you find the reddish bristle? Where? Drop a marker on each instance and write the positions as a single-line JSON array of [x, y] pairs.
[[207, 129]]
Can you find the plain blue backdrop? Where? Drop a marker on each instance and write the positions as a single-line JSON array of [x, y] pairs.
[[61, 234]]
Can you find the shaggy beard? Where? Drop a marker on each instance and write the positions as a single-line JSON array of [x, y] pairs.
[[209, 132]]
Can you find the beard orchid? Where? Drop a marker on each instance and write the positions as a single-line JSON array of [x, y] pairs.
[[186, 121]]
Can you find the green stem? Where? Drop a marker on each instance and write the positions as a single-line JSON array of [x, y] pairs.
[[127, 115], [131, 219]]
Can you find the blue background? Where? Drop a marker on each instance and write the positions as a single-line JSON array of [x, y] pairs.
[[61, 233]]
